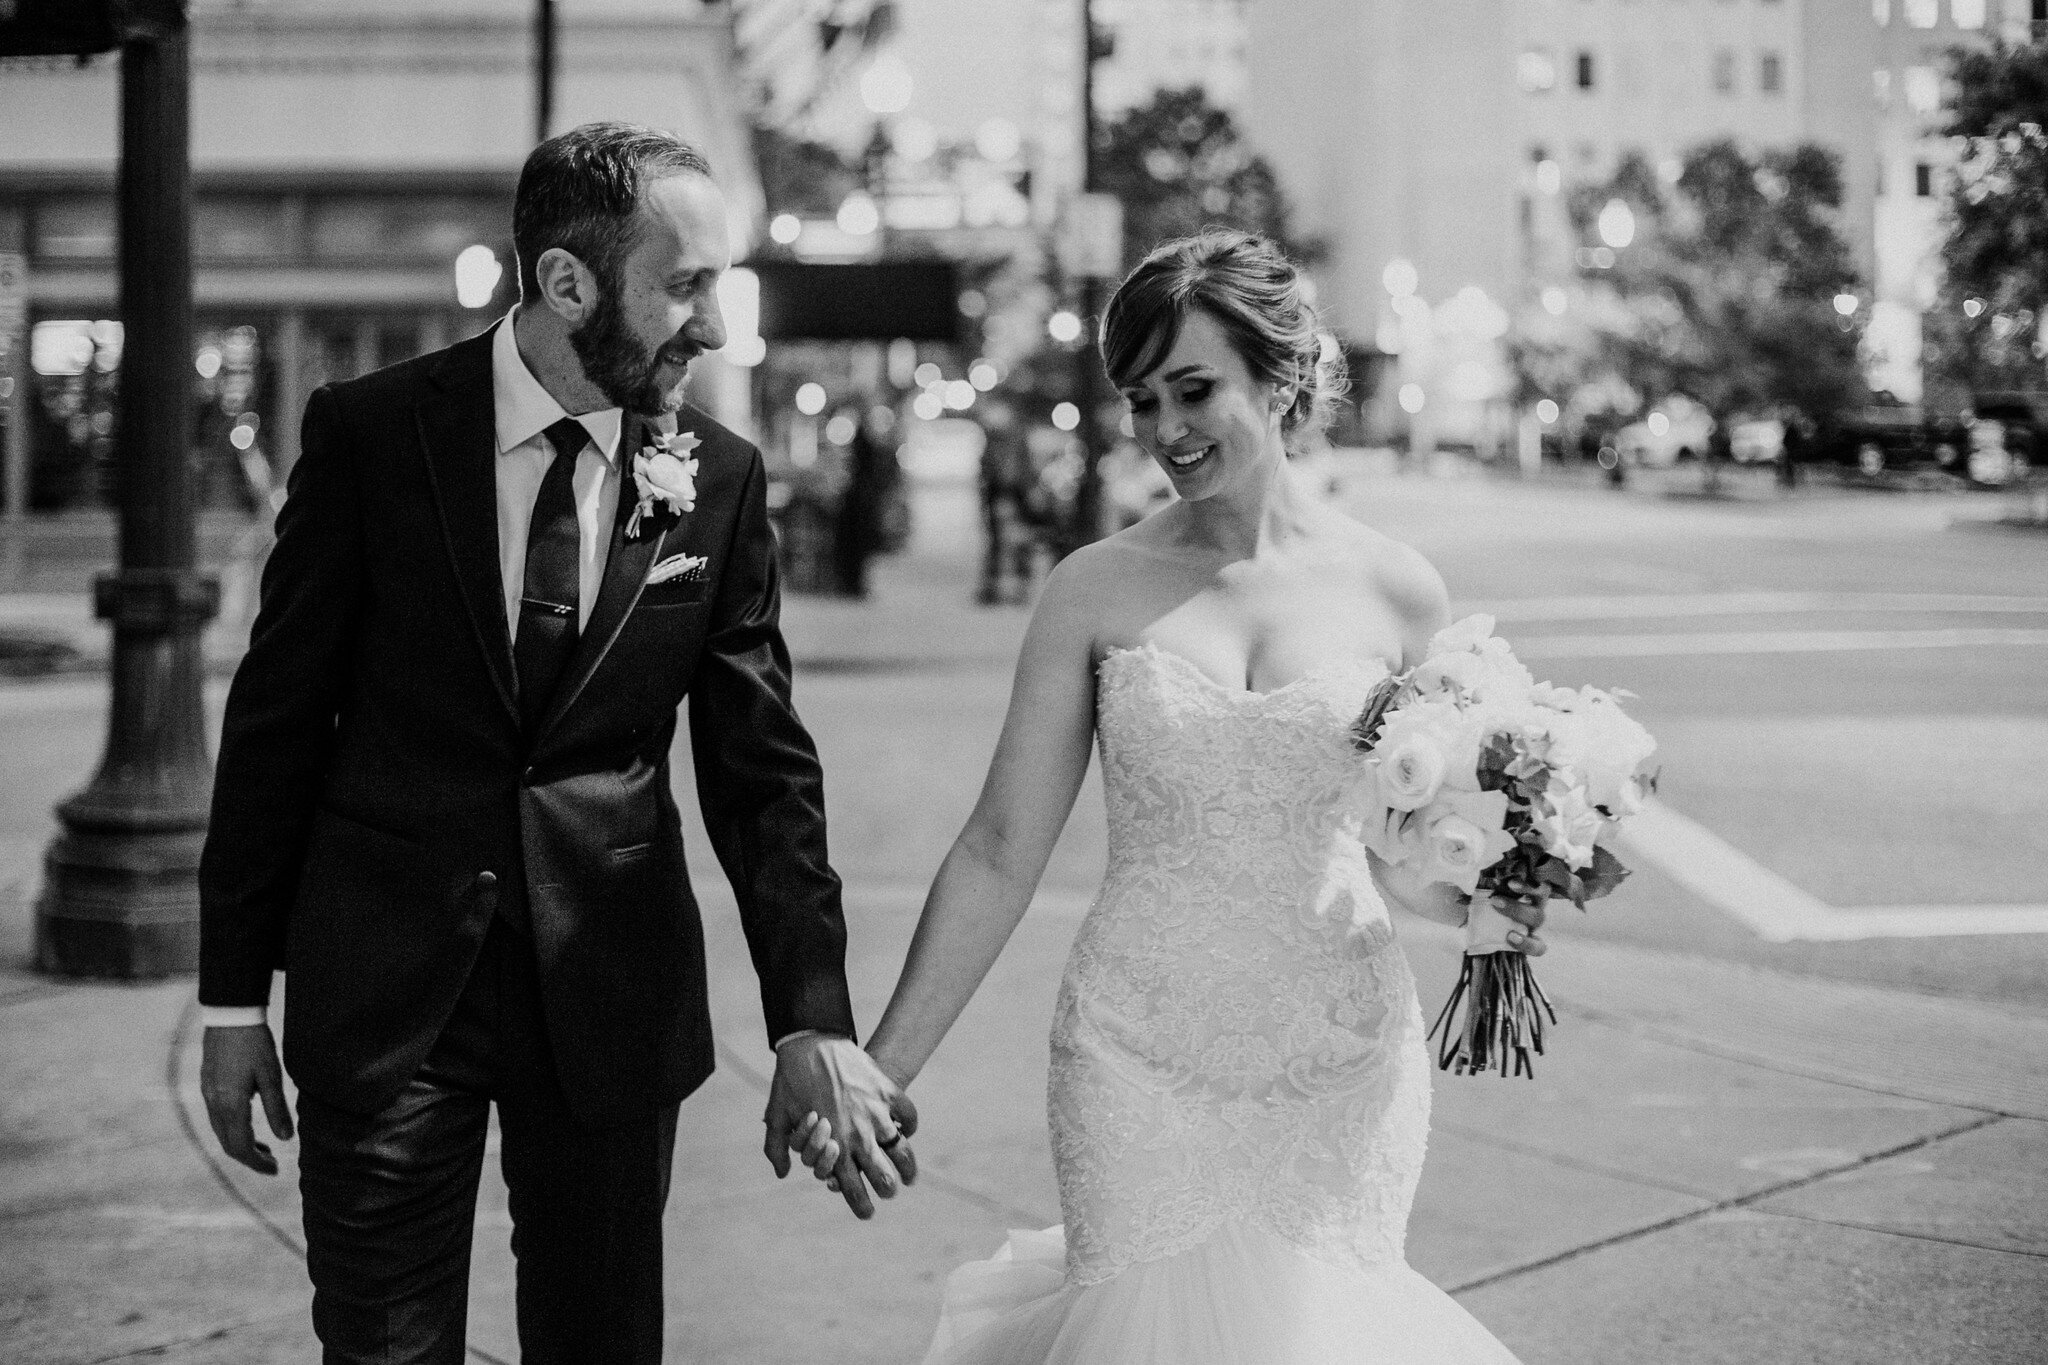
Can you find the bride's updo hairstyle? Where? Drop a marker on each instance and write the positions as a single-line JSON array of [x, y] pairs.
[[1254, 294]]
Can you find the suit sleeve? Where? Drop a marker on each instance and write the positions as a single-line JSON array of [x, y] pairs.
[[761, 791], [277, 736]]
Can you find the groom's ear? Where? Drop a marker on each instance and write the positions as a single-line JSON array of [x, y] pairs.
[[567, 286]]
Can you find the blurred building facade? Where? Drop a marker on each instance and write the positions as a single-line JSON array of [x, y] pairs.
[[346, 153], [1431, 145]]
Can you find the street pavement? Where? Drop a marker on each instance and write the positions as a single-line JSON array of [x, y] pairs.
[[1796, 1111]]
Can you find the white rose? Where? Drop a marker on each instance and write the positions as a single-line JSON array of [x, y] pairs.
[[1457, 849], [1411, 771]]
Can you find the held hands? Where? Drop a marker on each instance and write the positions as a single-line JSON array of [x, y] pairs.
[[849, 1122], [237, 1064]]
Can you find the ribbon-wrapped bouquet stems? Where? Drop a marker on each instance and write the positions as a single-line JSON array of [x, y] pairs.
[[1479, 776]]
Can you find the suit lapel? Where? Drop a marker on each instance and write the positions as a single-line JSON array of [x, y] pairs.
[[459, 431], [625, 575]]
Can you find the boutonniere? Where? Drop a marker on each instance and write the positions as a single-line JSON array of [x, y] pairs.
[[664, 472]]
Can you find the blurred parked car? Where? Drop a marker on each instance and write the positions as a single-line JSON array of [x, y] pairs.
[[1756, 442], [1874, 439], [2005, 437], [1676, 429]]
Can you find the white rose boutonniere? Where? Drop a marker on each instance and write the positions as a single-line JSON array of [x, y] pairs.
[[664, 472]]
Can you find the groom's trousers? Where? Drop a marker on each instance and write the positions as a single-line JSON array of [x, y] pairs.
[[390, 1199]]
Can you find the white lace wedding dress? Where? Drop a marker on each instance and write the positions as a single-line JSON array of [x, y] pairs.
[[1240, 1089]]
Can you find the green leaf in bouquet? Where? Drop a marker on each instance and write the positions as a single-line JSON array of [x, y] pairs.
[[1603, 876], [1365, 731]]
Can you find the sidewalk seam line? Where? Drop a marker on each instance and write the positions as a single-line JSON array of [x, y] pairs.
[[1901, 1232], [1724, 1206], [1629, 1024]]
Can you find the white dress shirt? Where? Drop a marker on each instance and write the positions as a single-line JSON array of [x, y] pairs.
[[523, 411]]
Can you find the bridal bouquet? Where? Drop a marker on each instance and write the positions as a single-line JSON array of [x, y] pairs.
[[1479, 776]]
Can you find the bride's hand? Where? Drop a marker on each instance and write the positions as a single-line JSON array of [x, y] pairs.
[[1523, 902]]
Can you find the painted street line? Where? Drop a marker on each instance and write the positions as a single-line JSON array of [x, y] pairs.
[[1608, 608], [1769, 642], [1778, 911]]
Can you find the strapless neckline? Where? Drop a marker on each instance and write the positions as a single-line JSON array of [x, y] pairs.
[[1170, 658]]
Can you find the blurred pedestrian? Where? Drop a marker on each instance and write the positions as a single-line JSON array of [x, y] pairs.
[[872, 477], [1004, 465]]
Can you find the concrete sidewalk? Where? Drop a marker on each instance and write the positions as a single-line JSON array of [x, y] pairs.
[[1716, 1162]]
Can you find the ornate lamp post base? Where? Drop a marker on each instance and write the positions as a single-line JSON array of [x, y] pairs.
[[121, 886]]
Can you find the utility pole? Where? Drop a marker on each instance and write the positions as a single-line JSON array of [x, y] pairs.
[[121, 895], [543, 69], [1090, 387]]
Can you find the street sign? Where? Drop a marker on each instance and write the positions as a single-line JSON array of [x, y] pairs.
[[1090, 239]]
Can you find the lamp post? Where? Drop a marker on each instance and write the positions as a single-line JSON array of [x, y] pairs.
[[120, 895], [543, 69], [1090, 388]]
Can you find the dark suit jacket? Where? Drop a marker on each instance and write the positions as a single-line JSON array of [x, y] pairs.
[[372, 766]]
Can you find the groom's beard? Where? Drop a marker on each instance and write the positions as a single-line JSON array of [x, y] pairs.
[[625, 371]]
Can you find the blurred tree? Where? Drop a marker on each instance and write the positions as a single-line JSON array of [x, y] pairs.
[[793, 53], [1984, 331], [1179, 164], [1728, 284], [801, 176]]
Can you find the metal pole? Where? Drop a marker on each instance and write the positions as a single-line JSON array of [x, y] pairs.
[[120, 895], [1091, 385], [543, 69]]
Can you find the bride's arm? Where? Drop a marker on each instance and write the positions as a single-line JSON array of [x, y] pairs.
[[1415, 591], [987, 879]]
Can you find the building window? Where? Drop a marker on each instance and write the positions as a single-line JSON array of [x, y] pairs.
[[1585, 71], [1724, 71], [1536, 70], [1967, 13], [1922, 89], [1923, 13], [1923, 180], [1770, 74]]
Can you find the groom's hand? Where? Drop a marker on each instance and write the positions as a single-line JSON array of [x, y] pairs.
[[851, 1121], [238, 1064]]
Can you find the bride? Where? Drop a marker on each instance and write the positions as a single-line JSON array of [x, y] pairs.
[[1239, 1090]]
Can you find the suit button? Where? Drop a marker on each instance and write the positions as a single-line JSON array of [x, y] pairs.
[[528, 774], [486, 881]]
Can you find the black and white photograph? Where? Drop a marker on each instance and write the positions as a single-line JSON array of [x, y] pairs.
[[1024, 682]]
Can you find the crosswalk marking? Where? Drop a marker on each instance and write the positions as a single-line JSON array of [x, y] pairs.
[[1593, 607], [1770, 642], [1778, 911]]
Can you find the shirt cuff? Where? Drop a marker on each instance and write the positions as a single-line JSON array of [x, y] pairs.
[[805, 1033], [233, 1016]]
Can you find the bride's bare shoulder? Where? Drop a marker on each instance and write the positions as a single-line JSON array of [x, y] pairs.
[[1394, 572], [1095, 585]]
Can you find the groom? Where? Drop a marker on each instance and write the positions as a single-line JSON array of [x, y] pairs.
[[443, 805]]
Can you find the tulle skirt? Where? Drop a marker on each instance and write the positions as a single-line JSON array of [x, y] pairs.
[[1245, 1297]]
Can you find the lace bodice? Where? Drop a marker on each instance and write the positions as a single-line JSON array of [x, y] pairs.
[[1237, 1039]]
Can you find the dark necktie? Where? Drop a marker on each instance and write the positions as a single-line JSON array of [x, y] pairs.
[[548, 600]]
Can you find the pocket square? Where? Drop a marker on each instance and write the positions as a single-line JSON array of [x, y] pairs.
[[688, 568]]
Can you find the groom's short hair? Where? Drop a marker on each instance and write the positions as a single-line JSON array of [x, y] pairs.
[[580, 191]]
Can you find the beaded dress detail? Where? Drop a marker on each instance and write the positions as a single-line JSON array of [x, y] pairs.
[[1239, 1092]]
